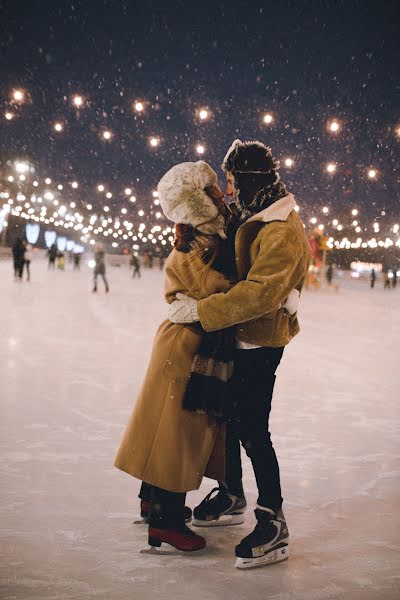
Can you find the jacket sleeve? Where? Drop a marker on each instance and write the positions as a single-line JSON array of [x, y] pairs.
[[272, 276]]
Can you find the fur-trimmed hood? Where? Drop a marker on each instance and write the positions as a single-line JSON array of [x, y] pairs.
[[278, 211], [183, 199]]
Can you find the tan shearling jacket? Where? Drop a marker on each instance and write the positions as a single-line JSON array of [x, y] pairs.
[[272, 256]]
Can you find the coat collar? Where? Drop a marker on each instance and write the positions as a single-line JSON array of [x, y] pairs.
[[278, 211]]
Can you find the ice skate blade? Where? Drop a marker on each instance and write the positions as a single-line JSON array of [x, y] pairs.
[[224, 520], [146, 521], [268, 559], [141, 522], [170, 551]]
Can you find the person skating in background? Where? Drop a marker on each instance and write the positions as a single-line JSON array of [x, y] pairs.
[[60, 260], [329, 274], [27, 260], [18, 251], [161, 262], [52, 255], [151, 260], [394, 279], [273, 256], [373, 278], [100, 267], [135, 264], [77, 261], [386, 281]]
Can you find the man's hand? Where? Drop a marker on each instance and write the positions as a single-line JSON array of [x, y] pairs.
[[292, 303], [183, 310]]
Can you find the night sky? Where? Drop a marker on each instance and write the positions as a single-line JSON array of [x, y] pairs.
[[305, 62]]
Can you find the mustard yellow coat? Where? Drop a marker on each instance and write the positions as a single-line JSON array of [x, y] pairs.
[[163, 444]]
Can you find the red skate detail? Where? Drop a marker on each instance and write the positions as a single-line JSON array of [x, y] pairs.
[[184, 539]]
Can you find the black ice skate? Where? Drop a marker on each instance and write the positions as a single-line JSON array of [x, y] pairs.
[[223, 509], [268, 543]]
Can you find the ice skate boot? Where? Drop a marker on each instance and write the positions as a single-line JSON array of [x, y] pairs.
[[223, 509], [181, 538], [145, 506], [268, 543]]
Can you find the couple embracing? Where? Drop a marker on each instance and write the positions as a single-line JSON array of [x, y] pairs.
[[233, 282]]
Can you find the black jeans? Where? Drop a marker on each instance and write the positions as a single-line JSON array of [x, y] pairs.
[[167, 508], [252, 387]]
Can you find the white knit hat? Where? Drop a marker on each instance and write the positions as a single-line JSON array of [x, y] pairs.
[[183, 199]]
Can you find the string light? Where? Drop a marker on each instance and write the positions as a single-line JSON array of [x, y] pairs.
[[203, 114], [268, 118], [18, 95], [9, 116], [289, 162], [128, 191], [139, 106], [109, 195], [77, 101], [372, 173], [74, 184], [107, 135], [331, 167], [100, 187], [21, 167], [200, 149], [154, 142], [333, 126]]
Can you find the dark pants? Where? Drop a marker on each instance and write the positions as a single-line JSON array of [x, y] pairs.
[[28, 270], [167, 508], [18, 267], [252, 387], [103, 276], [136, 271]]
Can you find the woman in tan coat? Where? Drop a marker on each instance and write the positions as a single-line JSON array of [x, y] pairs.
[[165, 445]]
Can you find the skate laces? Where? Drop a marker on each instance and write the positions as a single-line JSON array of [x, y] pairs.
[[208, 497]]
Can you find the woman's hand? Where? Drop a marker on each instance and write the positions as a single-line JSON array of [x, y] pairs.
[[183, 310], [292, 302]]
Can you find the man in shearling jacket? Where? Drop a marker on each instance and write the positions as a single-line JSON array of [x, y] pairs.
[[272, 257]]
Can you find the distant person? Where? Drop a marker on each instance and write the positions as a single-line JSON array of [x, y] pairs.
[[52, 254], [329, 274], [18, 251], [394, 279], [373, 278], [77, 261], [151, 258], [135, 263], [161, 263], [100, 267], [60, 260], [27, 261], [386, 284]]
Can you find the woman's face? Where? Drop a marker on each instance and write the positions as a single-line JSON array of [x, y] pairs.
[[230, 188], [217, 196]]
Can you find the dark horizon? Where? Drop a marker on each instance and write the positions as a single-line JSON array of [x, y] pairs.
[[304, 64]]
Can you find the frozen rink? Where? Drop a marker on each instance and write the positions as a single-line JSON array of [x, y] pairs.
[[71, 364]]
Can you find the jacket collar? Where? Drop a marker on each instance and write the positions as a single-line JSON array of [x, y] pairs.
[[278, 211]]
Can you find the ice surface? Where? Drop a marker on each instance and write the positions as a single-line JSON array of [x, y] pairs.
[[70, 367]]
